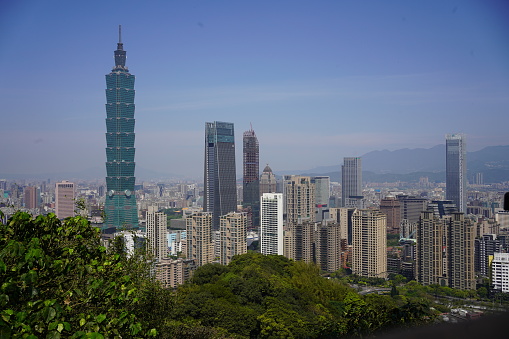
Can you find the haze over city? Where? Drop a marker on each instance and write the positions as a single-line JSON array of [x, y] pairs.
[[318, 81]]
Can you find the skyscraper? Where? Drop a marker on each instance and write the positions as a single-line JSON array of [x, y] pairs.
[[31, 198], [456, 170], [351, 184], [299, 199], [232, 236], [369, 257], [271, 229], [200, 247], [268, 182], [64, 199], [251, 182], [220, 196], [120, 207]]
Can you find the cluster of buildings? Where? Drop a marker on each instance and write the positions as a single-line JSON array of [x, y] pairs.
[[443, 240]]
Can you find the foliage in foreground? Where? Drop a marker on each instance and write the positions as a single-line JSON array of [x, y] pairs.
[[57, 280]]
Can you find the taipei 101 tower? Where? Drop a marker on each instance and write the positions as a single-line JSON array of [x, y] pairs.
[[120, 207]]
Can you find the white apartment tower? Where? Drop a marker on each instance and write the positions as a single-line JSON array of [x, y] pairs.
[[271, 229]]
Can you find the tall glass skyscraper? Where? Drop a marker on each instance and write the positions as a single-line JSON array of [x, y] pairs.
[[251, 177], [351, 182], [456, 170], [120, 207], [220, 196]]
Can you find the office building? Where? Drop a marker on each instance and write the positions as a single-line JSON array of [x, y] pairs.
[[322, 195], [233, 239], [120, 206], [351, 182], [268, 181], [220, 191], [445, 251], [485, 247], [271, 224], [200, 246], [299, 195], [411, 207], [251, 179], [64, 199], [456, 170], [157, 233], [500, 272], [369, 243]]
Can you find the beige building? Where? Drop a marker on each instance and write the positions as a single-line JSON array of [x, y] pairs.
[[299, 195], [172, 273], [369, 243], [232, 228], [391, 207], [329, 248], [64, 199], [267, 181], [299, 240], [445, 251], [199, 243], [157, 233]]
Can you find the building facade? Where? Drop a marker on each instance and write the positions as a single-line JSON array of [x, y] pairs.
[[299, 195], [271, 228], [220, 191], [120, 205], [391, 207], [456, 170], [500, 272], [322, 195], [65, 199], [233, 239], [31, 197], [351, 182], [251, 176], [200, 246], [157, 233], [268, 182], [369, 243]]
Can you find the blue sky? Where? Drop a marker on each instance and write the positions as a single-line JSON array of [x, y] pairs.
[[318, 80]]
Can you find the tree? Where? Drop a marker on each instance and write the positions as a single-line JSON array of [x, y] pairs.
[[57, 280]]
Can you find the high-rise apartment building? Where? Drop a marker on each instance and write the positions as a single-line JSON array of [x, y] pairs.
[[299, 240], [485, 247], [369, 243], [445, 250], [500, 272], [200, 246], [391, 207], [268, 183], [271, 224], [157, 233], [251, 177], [351, 183], [220, 191], [456, 170], [232, 236], [64, 199], [31, 198], [322, 195], [299, 195], [120, 206]]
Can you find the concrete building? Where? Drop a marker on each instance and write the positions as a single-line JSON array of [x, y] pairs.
[[172, 273], [251, 176], [271, 228], [445, 251], [500, 272], [485, 247], [369, 257], [31, 197], [300, 241], [268, 182], [456, 170], [391, 207], [351, 182], [330, 248], [200, 246], [64, 199], [233, 239], [299, 195], [343, 216], [157, 233], [411, 207]]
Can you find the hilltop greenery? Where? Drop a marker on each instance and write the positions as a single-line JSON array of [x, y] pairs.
[[58, 281]]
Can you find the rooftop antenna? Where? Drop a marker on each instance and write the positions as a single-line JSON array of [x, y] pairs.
[[119, 33], [251, 125]]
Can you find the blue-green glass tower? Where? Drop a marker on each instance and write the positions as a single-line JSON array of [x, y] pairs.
[[120, 207]]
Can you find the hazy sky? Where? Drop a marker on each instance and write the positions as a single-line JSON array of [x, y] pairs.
[[318, 80]]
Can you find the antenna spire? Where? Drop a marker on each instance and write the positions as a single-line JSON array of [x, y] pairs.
[[120, 34]]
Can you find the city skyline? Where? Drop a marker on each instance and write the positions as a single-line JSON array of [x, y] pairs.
[[351, 78]]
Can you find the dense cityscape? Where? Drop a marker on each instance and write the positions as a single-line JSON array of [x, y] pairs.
[[381, 244]]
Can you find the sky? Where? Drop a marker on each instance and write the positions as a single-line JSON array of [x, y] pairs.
[[316, 80]]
